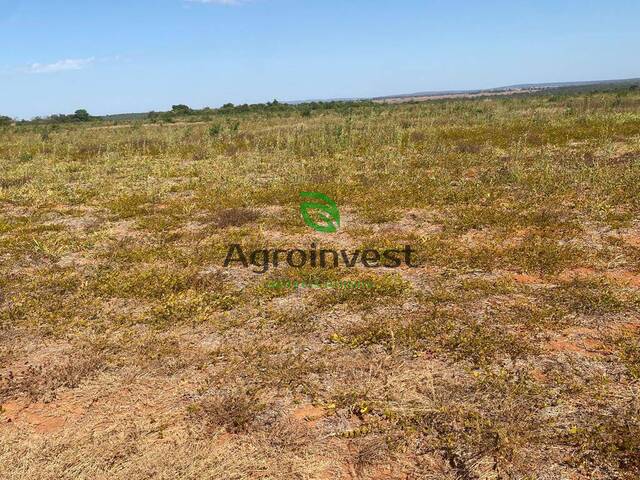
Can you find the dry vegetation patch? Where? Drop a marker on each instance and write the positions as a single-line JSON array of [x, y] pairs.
[[128, 351]]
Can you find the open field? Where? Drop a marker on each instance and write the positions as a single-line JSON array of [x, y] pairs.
[[127, 350]]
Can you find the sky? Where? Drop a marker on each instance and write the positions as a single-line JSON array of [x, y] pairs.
[[118, 56]]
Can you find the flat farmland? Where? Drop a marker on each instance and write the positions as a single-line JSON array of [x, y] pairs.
[[508, 348]]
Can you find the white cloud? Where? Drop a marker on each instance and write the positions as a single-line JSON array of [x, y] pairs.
[[61, 65]]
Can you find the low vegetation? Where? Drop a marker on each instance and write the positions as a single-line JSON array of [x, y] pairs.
[[127, 350]]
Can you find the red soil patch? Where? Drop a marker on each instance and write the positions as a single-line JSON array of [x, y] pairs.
[[475, 238], [581, 341], [589, 348], [308, 413], [633, 240], [538, 375], [473, 172], [580, 273], [223, 438], [345, 466], [41, 417], [625, 277]]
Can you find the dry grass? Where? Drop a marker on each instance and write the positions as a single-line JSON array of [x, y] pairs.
[[128, 351]]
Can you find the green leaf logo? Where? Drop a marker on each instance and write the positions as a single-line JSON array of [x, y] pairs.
[[325, 211]]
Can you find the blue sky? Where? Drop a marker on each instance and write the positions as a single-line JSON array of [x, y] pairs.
[[139, 55]]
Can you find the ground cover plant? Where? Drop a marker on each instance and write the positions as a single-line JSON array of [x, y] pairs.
[[127, 349]]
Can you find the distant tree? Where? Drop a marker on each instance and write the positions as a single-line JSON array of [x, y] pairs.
[[634, 87], [227, 107], [4, 121], [166, 117], [181, 109], [57, 117], [81, 115]]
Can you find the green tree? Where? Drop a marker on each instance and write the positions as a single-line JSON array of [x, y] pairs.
[[4, 121], [181, 109], [82, 115]]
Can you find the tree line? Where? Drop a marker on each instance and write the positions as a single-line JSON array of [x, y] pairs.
[[304, 109]]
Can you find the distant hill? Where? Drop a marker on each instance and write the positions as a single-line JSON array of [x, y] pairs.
[[524, 88], [600, 83]]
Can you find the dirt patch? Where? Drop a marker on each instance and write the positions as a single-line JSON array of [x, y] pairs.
[[632, 239], [75, 260], [586, 347], [538, 375], [581, 341], [475, 238], [352, 462], [625, 277], [309, 414], [122, 230], [526, 279], [580, 273], [78, 224], [43, 418], [415, 221]]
